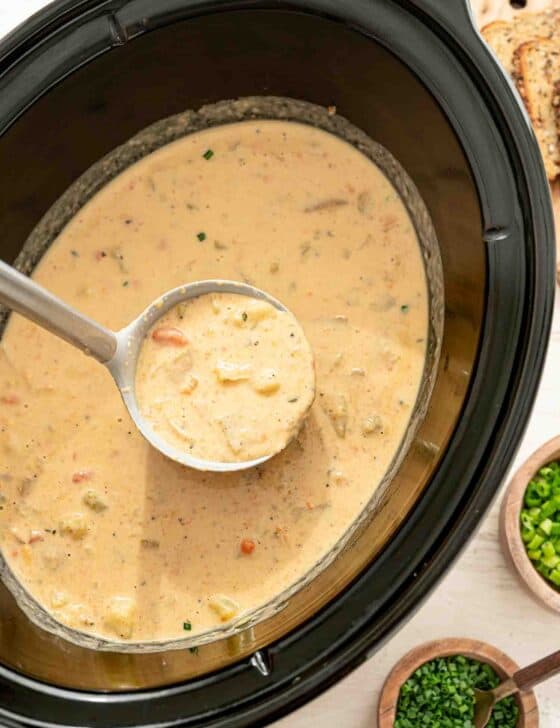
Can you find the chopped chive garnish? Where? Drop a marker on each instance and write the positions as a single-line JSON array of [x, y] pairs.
[[208, 154], [441, 692], [125, 283], [193, 650], [244, 316], [187, 626], [75, 253], [404, 307], [201, 237]]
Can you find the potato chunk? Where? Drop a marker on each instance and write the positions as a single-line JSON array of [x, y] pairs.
[[93, 500], [337, 477], [372, 424], [266, 381], [253, 312], [77, 615], [228, 371], [119, 617], [224, 607], [189, 384], [234, 433], [74, 525], [20, 534], [59, 599], [336, 407]]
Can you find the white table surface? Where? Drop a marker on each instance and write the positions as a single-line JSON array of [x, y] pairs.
[[480, 597]]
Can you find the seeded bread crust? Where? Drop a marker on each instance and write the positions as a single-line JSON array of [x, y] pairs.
[[536, 71], [505, 37]]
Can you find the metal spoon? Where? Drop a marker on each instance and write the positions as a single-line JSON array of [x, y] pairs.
[[523, 679], [119, 350]]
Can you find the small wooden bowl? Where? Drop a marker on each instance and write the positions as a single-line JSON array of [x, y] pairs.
[[502, 664], [510, 532]]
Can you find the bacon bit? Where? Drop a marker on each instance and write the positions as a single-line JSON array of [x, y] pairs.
[[247, 546], [10, 399], [100, 254], [169, 335], [36, 536], [82, 475]]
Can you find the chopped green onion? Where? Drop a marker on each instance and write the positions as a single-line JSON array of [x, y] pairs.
[[540, 522], [551, 562], [536, 542], [546, 526], [187, 626], [208, 154], [201, 236]]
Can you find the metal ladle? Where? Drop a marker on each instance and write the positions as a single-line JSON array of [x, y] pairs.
[[119, 350]]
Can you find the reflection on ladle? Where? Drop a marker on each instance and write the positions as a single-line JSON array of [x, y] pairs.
[[119, 351]]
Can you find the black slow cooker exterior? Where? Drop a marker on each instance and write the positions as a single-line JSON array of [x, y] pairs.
[[509, 210]]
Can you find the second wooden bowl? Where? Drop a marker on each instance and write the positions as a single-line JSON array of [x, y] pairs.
[[510, 531], [502, 664]]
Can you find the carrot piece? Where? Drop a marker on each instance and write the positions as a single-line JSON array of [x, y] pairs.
[[169, 335], [247, 546], [82, 475], [10, 399]]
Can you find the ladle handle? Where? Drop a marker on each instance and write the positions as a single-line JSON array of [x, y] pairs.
[[23, 295], [534, 674]]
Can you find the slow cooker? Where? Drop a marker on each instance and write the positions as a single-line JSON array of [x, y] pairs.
[[83, 76]]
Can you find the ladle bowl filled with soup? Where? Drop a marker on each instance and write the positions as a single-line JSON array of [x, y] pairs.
[[352, 165]]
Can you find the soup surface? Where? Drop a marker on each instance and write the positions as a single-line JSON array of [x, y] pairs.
[[226, 378], [106, 533]]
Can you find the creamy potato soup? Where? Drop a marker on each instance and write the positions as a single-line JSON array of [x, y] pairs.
[[226, 377], [111, 537]]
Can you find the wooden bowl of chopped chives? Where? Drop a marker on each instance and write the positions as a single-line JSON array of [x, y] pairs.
[[437, 678], [530, 524]]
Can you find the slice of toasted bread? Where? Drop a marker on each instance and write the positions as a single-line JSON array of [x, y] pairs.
[[505, 37], [537, 72], [500, 37]]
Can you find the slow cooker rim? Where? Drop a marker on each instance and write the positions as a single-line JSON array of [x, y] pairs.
[[541, 313]]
